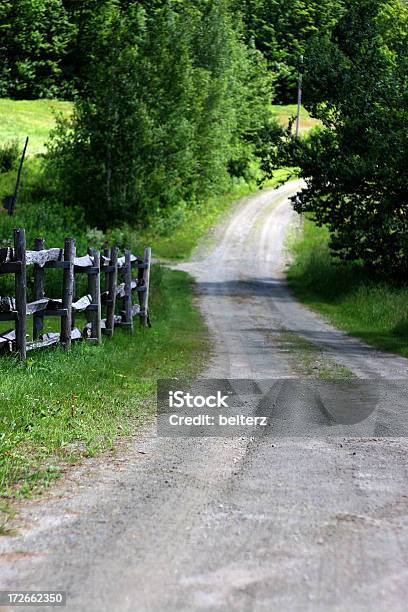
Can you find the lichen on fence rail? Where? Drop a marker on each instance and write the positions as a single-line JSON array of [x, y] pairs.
[[17, 261]]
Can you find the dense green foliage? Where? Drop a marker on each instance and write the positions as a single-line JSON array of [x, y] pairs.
[[168, 111], [282, 30], [46, 45], [356, 165], [34, 36]]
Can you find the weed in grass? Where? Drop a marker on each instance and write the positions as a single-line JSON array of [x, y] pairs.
[[7, 513], [5, 530]]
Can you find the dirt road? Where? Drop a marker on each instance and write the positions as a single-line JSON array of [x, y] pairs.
[[247, 524]]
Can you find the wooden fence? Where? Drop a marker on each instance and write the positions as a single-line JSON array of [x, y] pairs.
[[123, 277]]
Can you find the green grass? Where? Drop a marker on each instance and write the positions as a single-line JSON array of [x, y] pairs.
[[376, 312], [32, 118], [184, 239], [284, 113], [58, 408]]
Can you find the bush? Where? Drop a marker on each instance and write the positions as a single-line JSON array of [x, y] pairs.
[[38, 209], [172, 103], [9, 153]]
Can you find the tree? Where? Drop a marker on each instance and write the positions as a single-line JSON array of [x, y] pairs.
[[356, 165], [33, 37], [166, 110], [282, 30], [83, 17]]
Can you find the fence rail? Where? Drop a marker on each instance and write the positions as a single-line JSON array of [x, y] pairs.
[[115, 299]]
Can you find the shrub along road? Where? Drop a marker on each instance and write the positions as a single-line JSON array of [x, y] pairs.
[[290, 522]]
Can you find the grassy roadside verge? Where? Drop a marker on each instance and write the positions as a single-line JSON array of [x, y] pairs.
[[59, 408], [183, 240], [376, 312]]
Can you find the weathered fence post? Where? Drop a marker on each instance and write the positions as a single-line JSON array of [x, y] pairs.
[[127, 300], [94, 289], [112, 281], [14, 261], [39, 293], [107, 255], [21, 292], [145, 319], [67, 292]]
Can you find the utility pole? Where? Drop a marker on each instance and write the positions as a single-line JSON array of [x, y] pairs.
[[300, 84]]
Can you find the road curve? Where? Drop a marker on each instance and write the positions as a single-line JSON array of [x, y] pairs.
[[242, 278], [222, 524]]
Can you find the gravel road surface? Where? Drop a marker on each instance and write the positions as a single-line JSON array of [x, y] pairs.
[[286, 523]]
